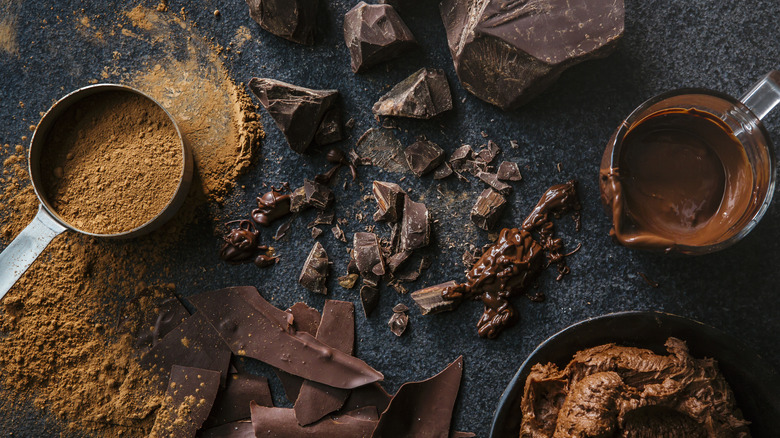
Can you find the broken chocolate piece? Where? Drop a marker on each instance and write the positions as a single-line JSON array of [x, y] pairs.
[[271, 206], [400, 320], [315, 270], [368, 257], [187, 403], [280, 233], [415, 226], [423, 156], [316, 232], [167, 315], [330, 129], [431, 299], [400, 308], [429, 402], [236, 429], [443, 171], [338, 233], [294, 20], [337, 329], [298, 112], [508, 171], [422, 95], [374, 34], [367, 395], [506, 53], [252, 327], [474, 167], [317, 195], [298, 200], [232, 403], [348, 281], [460, 156], [491, 179], [369, 298], [305, 318], [381, 148], [395, 261], [389, 199], [488, 209], [324, 217], [281, 423]]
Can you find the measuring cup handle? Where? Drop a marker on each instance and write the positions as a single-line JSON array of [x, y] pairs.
[[764, 96], [27, 246]]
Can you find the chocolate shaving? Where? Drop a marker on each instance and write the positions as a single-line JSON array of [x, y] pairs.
[[491, 179], [315, 270], [232, 403], [431, 299], [508, 171], [488, 208], [281, 423], [422, 95], [187, 403], [415, 226], [389, 200], [423, 156], [369, 298], [374, 34], [294, 20]]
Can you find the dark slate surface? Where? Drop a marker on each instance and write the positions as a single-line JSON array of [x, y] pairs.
[[720, 44]]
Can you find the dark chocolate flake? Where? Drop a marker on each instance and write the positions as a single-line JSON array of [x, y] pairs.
[[508, 171], [317, 195], [488, 208], [315, 270], [294, 20], [369, 298], [423, 156], [389, 200], [415, 226], [422, 95], [374, 34]]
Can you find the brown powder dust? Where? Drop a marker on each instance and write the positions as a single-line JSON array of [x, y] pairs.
[[112, 163]]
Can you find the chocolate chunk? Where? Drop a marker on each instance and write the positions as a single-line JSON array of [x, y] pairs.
[[241, 242], [187, 403], [237, 429], [488, 153], [491, 179], [429, 402], [168, 314], [423, 156], [330, 129], [254, 328], [294, 20], [315, 270], [317, 195], [400, 308], [415, 226], [298, 200], [443, 171], [488, 209], [382, 149], [395, 261], [422, 95], [461, 155], [369, 298], [281, 423], [232, 403], [271, 206], [508, 52], [374, 34], [399, 321], [508, 171], [337, 329], [368, 257], [298, 112], [431, 299], [338, 233], [367, 395], [316, 232], [348, 281], [389, 199]]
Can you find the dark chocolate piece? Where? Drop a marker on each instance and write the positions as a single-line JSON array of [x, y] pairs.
[[395, 261], [508, 171], [431, 299], [389, 200], [382, 149], [423, 156], [232, 403], [443, 171], [488, 209], [280, 233], [281, 423], [324, 217], [506, 53], [374, 34], [316, 232], [338, 233], [315, 270], [330, 129], [317, 195], [488, 153], [294, 20], [422, 95], [400, 308], [415, 226], [254, 328], [399, 321], [429, 403], [271, 206], [368, 257], [305, 318], [474, 167], [168, 314], [461, 155], [369, 298], [491, 179], [337, 330], [367, 395], [298, 112], [298, 200], [237, 429], [187, 403]]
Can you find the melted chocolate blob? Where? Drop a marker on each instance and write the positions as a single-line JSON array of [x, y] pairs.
[[271, 206]]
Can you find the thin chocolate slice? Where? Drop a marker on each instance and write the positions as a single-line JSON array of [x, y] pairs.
[[422, 95], [374, 34], [168, 314], [398, 323], [281, 423], [415, 226], [491, 179], [236, 429], [389, 200], [254, 328], [488, 208], [508, 52], [315, 270], [508, 171], [367, 395], [317, 195], [337, 329], [431, 299], [187, 403], [369, 298], [423, 156], [422, 409], [305, 319], [368, 257], [294, 20], [232, 403], [298, 112]]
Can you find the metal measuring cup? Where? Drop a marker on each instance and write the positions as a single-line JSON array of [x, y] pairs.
[[47, 224]]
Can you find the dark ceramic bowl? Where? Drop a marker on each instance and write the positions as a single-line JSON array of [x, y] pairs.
[[755, 384]]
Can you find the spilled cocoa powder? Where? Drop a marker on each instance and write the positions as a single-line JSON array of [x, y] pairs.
[[111, 163]]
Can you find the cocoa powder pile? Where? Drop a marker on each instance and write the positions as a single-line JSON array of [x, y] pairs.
[[111, 163]]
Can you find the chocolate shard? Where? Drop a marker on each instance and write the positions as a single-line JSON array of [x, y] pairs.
[[381, 148], [422, 95], [281, 423], [338, 233], [168, 314], [187, 403], [232, 403], [508, 171], [305, 318], [298, 200], [331, 129], [474, 167], [318, 195], [298, 112], [400, 308], [488, 153], [443, 171], [236, 429], [316, 232], [374, 34], [294, 20], [423, 156], [506, 53], [337, 330], [315, 270], [430, 402], [323, 218], [368, 257], [398, 323], [461, 155], [367, 395], [252, 327], [431, 299], [396, 260], [415, 226], [488, 208], [389, 200], [369, 298], [491, 179]]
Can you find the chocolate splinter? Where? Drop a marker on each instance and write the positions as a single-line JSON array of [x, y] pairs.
[[252, 327], [422, 95], [374, 34], [315, 270], [187, 403]]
